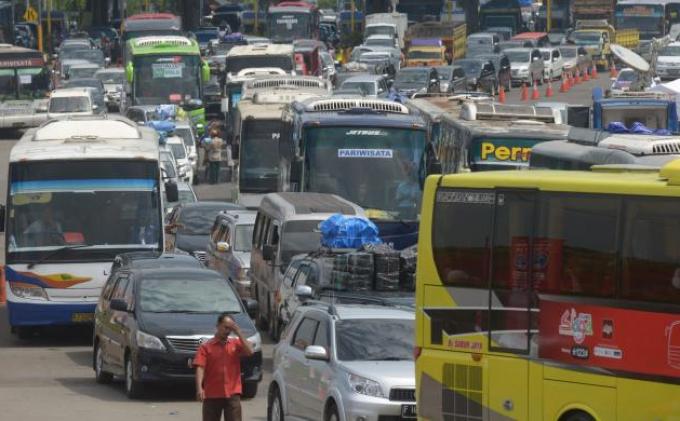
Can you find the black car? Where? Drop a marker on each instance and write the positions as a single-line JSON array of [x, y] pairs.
[[481, 74], [188, 225], [153, 314], [452, 79], [412, 80]]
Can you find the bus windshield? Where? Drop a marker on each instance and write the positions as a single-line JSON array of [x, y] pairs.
[[166, 78], [53, 204], [259, 155], [287, 26], [23, 83], [376, 168]]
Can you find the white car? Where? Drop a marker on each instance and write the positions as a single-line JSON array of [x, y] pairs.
[[553, 61], [668, 62], [71, 102], [186, 132], [179, 150]]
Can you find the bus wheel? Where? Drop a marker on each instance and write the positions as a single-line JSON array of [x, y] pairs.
[[577, 416]]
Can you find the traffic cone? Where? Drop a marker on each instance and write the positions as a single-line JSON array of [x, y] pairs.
[[586, 78], [534, 92], [577, 79], [564, 86], [593, 74], [501, 95], [525, 92], [549, 90], [613, 72]]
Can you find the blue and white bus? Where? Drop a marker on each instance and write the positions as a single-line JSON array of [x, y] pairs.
[[79, 192]]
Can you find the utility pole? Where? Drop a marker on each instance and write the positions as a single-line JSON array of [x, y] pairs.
[[548, 15]]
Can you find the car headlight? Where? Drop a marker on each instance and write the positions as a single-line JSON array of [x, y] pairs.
[[364, 386], [30, 291], [144, 340], [256, 341]]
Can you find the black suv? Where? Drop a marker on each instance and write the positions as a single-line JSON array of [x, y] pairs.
[[155, 311]]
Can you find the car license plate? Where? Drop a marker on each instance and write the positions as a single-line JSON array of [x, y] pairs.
[[408, 411], [82, 317]]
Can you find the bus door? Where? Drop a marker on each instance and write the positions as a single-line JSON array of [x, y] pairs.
[[511, 301]]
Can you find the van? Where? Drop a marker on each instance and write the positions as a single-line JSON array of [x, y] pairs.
[[286, 225], [71, 102], [481, 43]]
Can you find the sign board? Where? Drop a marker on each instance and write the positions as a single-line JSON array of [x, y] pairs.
[[30, 15]]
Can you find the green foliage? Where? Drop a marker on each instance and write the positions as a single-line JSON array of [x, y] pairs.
[[327, 4]]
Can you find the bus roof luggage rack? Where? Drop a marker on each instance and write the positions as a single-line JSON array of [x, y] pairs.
[[88, 128], [286, 82], [346, 104], [494, 111], [155, 41], [642, 94]]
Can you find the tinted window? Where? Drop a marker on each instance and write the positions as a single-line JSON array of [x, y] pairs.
[[374, 339], [322, 338], [304, 335], [461, 250], [651, 251], [197, 220]]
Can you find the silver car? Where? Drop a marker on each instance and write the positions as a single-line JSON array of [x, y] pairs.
[[344, 362]]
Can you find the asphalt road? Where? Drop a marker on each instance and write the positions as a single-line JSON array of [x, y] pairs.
[[50, 377]]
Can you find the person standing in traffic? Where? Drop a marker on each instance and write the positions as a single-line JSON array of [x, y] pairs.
[[218, 371], [214, 152]]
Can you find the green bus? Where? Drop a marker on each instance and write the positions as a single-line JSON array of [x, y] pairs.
[[167, 70]]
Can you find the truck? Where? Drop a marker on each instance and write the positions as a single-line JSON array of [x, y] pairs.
[[426, 52], [593, 9], [502, 13], [393, 24], [452, 34], [597, 35]]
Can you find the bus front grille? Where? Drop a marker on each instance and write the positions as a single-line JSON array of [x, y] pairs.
[[462, 392]]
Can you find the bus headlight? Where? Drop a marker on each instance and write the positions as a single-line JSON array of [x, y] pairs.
[[144, 340], [30, 291]]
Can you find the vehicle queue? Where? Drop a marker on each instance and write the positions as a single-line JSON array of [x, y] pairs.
[[532, 268]]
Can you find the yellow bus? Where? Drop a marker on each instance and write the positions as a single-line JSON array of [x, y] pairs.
[[549, 295]]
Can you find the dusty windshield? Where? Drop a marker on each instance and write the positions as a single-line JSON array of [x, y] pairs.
[[70, 104], [195, 295], [23, 83], [365, 339], [163, 79], [376, 168], [299, 237], [61, 203]]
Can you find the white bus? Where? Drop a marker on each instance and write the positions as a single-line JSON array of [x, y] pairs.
[[80, 191]]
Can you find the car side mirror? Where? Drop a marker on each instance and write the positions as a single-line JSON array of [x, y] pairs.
[[171, 192], [223, 247], [268, 252], [303, 292], [119, 305], [2, 218], [316, 352], [251, 307]]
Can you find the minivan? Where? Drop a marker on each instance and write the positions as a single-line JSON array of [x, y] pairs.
[[71, 102], [287, 224]]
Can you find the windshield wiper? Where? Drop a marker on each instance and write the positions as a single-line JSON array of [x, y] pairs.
[[55, 252]]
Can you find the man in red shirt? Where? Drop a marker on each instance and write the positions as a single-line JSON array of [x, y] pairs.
[[218, 371]]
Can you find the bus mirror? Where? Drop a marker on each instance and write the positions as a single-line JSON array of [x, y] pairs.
[[296, 171], [129, 72], [205, 72], [2, 218], [171, 192], [434, 167]]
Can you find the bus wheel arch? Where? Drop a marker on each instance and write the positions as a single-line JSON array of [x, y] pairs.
[[577, 414]]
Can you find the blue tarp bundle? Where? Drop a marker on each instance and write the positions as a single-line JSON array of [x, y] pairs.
[[341, 231], [636, 128], [164, 128]]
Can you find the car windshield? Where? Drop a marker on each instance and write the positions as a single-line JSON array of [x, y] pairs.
[[517, 56], [366, 88], [627, 76], [70, 104], [93, 56], [424, 54], [190, 294], [178, 150], [671, 50], [112, 78], [299, 237], [83, 83], [81, 72], [374, 339], [198, 220], [470, 67], [586, 37], [406, 76], [235, 64], [243, 238], [568, 52]]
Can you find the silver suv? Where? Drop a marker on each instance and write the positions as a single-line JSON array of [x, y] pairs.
[[344, 362]]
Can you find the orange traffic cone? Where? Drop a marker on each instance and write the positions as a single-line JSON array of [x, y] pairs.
[[577, 79], [586, 77], [501, 95], [534, 92], [549, 90], [593, 73], [613, 72], [525, 92], [564, 86]]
